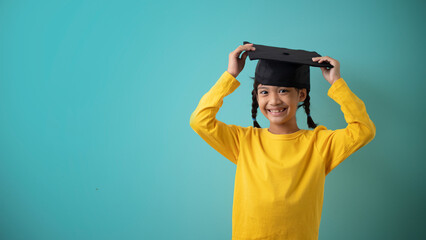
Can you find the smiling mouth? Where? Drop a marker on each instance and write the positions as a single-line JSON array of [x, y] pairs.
[[276, 112]]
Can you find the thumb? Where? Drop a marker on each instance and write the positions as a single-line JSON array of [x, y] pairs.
[[245, 54]]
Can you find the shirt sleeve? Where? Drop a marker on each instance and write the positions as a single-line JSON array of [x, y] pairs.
[[224, 138], [336, 145]]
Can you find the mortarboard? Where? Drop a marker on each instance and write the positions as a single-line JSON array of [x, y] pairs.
[[284, 67]]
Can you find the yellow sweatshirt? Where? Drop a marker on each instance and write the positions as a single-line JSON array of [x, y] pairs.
[[279, 180]]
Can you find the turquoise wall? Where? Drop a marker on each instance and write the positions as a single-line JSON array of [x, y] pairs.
[[96, 96]]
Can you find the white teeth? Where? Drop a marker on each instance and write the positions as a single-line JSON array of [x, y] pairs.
[[277, 110]]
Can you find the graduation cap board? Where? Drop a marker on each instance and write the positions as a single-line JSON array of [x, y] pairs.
[[284, 67]]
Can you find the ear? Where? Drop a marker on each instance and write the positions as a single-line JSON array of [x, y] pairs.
[[302, 94]]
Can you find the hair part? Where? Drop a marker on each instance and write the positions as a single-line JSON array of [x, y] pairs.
[[306, 105]]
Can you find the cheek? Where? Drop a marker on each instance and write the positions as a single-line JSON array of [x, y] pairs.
[[294, 103], [261, 103]]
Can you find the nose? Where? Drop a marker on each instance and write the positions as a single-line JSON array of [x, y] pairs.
[[275, 99]]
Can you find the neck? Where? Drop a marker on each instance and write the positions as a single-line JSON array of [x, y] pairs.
[[284, 128]]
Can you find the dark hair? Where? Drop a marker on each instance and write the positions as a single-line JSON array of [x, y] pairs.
[[255, 105]]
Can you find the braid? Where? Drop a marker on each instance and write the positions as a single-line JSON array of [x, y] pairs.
[[254, 107], [254, 104], [306, 105]]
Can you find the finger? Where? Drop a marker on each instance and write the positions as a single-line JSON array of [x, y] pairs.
[[322, 57], [245, 54], [236, 53], [324, 60], [248, 47], [239, 49], [332, 61]]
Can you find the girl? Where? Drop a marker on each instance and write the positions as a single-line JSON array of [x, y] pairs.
[[281, 170]]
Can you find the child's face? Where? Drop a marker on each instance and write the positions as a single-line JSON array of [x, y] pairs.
[[278, 98]]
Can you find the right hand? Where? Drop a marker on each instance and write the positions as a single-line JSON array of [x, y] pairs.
[[236, 64]]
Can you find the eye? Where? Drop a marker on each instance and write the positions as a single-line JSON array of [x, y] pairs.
[[262, 92], [284, 90]]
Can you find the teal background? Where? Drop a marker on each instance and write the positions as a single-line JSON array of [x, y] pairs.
[[96, 96]]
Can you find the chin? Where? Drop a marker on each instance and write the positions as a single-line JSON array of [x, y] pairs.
[[277, 122]]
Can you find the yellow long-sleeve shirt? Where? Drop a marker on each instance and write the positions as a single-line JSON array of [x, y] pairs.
[[279, 181]]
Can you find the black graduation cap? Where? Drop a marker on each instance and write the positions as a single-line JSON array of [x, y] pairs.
[[284, 67]]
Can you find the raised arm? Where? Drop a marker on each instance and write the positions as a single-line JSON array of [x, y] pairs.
[[222, 137], [336, 145]]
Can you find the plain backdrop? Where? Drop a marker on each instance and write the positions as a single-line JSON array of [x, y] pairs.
[[96, 97]]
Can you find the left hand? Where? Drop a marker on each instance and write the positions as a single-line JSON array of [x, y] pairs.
[[332, 74]]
